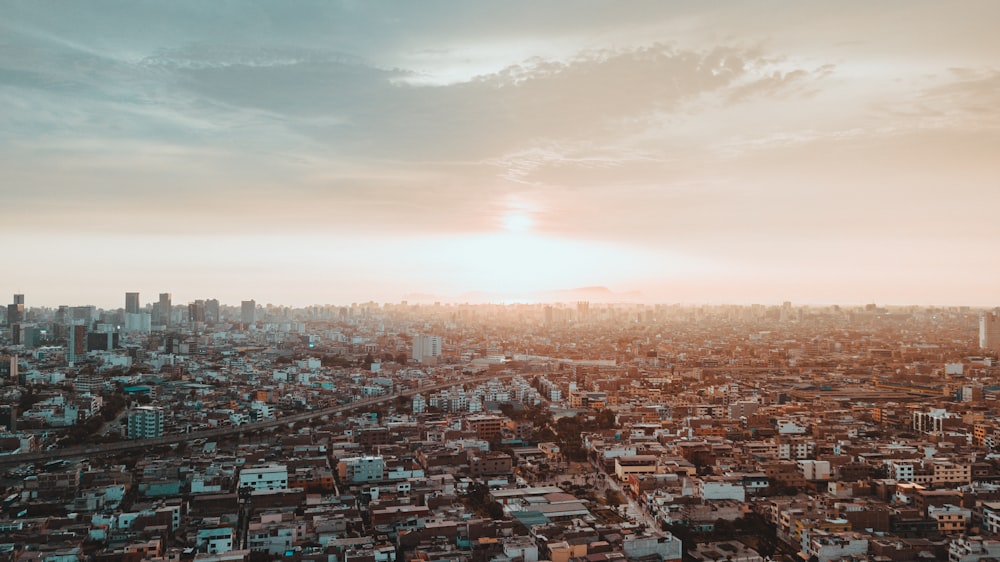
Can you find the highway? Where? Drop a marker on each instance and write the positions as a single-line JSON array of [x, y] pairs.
[[137, 444]]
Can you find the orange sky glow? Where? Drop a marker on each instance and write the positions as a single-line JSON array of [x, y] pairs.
[[682, 152]]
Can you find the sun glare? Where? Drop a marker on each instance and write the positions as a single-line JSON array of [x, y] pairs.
[[517, 222]]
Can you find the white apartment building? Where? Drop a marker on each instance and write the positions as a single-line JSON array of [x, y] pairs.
[[264, 477], [216, 540]]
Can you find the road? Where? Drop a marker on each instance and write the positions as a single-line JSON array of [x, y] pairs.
[[122, 446], [631, 509]]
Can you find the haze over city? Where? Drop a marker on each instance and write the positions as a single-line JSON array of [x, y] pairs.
[[546, 281], [344, 152]]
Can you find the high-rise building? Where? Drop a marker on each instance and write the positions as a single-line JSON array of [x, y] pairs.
[[196, 312], [15, 313], [145, 422], [165, 310], [989, 331], [9, 367], [426, 348], [77, 344], [131, 303], [87, 314], [248, 312], [785, 314], [102, 341], [8, 417], [30, 335], [138, 322], [212, 311]]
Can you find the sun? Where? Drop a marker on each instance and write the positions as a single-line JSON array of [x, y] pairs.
[[517, 222]]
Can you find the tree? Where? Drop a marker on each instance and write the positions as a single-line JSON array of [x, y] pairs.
[[614, 498], [478, 498], [256, 556], [508, 409], [113, 405], [27, 400], [682, 532], [570, 440], [723, 530], [604, 419], [494, 510], [544, 434], [334, 361], [367, 361]]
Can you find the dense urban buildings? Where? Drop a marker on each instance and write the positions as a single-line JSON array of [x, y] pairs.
[[522, 432]]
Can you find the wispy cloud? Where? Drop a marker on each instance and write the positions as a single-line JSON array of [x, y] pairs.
[[728, 134]]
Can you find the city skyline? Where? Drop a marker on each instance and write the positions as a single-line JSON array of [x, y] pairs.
[[683, 153], [564, 300]]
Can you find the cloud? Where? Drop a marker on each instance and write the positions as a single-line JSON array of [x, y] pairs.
[[972, 96], [329, 126], [737, 133], [363, 110]]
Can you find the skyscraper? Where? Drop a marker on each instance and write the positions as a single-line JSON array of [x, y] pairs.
[[212, 311], [248, 312], [165, 310], [77, 344], [18, 298], [15, 314], [426, 349], [138, 322], [131, 303], [196, 312], [989, 331], [135, 320]]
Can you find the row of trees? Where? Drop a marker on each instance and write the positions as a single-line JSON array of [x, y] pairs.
[[567, 432], [477, 497], [87, 432]]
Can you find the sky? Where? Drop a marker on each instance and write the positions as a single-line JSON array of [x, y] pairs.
[[336, 152]]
